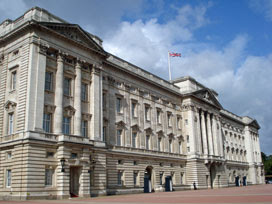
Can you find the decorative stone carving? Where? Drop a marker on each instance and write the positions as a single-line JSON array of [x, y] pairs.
[[120, 124], [86, 116], [49, 108], [10, 105], [43, 48]]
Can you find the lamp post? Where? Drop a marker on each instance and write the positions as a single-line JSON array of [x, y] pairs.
[[62, 162]]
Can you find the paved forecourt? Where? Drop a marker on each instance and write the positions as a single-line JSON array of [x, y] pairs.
[[250, 194]]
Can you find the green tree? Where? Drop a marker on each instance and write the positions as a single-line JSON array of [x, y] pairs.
[[267, 161]]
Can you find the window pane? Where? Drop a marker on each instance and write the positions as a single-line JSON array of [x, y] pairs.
[[48, 177], [48, 81], [67, 87], [134, 136], [119, 135], [47, 122], [8, 178], [10, 123], [147, 141], [84, 128], [66, 125], [84, 91], [118, 105]]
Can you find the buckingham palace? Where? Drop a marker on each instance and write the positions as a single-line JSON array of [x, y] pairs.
[[76, 120]]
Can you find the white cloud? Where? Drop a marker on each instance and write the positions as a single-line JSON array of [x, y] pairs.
[[262, 6], [243, 82]]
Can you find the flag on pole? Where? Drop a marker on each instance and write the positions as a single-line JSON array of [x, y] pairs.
[[174, 54]]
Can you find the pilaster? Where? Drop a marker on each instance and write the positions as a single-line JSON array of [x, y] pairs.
[[77, 103], [58, 116], [204, 133], [210, 137]]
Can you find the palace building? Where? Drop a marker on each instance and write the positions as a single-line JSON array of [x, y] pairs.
[[76, 120]]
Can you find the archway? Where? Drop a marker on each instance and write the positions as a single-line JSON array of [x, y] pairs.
[[148, 180]]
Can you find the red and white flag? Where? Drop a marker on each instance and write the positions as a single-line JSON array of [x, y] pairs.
[[174, 54]]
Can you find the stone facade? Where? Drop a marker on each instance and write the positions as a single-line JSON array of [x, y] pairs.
[[78, 121]]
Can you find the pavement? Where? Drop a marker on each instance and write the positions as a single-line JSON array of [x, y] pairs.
[[257, 194]]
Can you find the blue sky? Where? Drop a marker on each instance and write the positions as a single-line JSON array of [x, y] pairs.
[[225, 44]]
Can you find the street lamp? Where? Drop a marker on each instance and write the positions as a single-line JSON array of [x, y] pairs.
[[62, 162]]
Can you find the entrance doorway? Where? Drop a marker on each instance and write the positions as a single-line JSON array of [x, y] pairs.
[[74, 181], [212, 174], [148, 188]]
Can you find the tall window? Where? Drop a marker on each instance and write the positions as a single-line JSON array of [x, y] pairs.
[[135, 178], [8, 178], [10, 123], [118, 104], [13, 80], [84, 128], [119, 137], [169, 119], [67, 86], [104, 102], [147, 141], [158, 116], [84, 92], [161, 178], [133, 109], [180, 147], [159, 143], [120, 178], [49, 173], [48, 81], [104, 133], [147, 113], [170, 145], [47, 122], [134, 139], [178, 122], [66, 125], [181, 178]]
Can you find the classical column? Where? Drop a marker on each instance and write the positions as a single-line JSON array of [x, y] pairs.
[[199, 138], [215, 136], [204, 134], [209, 130], [221, 144], [77, 99], [58, 117], [96, 103]]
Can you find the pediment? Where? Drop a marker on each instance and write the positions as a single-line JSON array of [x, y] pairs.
[[121, 124], [148, 130], [76, 33], [160, 133], [69, 110], [207, 96], [135, 127]]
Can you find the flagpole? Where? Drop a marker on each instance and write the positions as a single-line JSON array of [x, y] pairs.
[[169, 69]]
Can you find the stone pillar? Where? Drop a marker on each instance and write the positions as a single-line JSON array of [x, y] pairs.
[[215, 136], [96, 104], [198, 132], [209, 130], [221, 143], [58, 117], [77, 100], [204, 134], [39, 88], [85, 175], [63, 178]]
